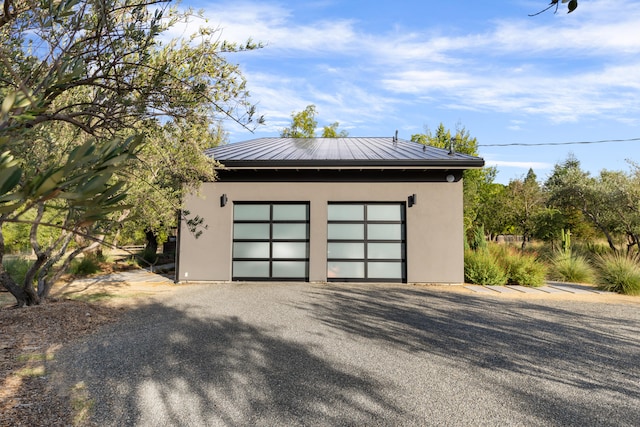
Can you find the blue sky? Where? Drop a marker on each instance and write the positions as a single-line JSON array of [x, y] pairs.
[[506, 77]]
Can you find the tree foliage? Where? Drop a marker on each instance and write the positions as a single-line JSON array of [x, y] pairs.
[[82, 84], [477, 182], [571, 6], [304, 124], [525, 202], [610, 201]]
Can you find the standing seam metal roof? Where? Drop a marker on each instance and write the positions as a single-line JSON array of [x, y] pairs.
[[337, 152]]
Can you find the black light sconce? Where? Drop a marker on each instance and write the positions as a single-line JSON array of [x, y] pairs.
[[223, 200], [412, 200]]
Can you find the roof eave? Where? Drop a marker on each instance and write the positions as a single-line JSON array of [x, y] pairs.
[[354, 164]]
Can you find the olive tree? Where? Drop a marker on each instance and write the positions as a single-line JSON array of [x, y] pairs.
[[610, 201], [91, 91], [571, 6]]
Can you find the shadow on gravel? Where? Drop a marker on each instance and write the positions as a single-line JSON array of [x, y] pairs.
[[574, 363], [221, 371]]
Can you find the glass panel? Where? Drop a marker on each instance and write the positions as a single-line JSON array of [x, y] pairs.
[[384, 270], [345, 270], [384, 250], [384, 212], [345, 250], [289, 250], [346, 231], [251, 250], [384, 231], [251, 231], [251, 268], [244, 212], [346, 212], [290, 231], [295, 212], [289, 269]]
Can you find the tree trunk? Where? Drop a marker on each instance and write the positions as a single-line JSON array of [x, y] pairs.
[[152, 242], [632, 240], [602, 228], [23, 296]]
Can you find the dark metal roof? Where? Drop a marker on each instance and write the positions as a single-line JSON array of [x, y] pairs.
[[338, 152]]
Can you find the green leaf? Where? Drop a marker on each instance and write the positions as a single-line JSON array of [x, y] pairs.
[[49, 182], [9, 178], [8, 208], [95, 184], [8, 102], [117, 160]]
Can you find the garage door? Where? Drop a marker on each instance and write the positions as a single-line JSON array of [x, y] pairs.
[[271, 241], [366, 242]]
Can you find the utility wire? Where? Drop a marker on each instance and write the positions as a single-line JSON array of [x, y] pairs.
[[538, 144]]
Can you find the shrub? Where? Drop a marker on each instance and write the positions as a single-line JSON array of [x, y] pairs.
[[525, 270], [17, 268], [571, 268], [481, 268], [595, 249], [87, 265], [478, 241], [619, 273], [522, 268]]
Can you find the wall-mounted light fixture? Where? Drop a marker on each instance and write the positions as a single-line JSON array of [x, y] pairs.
[[450, 178], [412, 200], [223, 200]]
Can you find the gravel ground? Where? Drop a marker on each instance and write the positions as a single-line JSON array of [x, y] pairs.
[[271, 354]]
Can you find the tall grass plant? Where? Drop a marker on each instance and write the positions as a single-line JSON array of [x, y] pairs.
[[521, 268], [619, 273], [569, 267]]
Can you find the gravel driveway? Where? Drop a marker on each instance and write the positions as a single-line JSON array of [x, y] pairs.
[[281, 354]]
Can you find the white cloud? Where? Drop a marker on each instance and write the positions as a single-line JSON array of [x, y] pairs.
[[519, 165], [518, 65]]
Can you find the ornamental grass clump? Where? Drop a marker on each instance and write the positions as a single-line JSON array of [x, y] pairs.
[[619, 273], [567, 267], [521, 268], [481, 268], [525, 270], [17, 268], [87, 265]]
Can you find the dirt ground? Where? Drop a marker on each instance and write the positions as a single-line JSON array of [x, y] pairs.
[[30, 338]]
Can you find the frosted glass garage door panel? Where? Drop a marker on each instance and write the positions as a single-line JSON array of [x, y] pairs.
[[384, 213], [290, 231], [290, 212], [384, 250], [346, 232], [345, 270], [251, 212], [384, 232], [251, 231], [289, 250], [345, 250], [345, 213], [289, 269], [385, 270], [257, 269], [251, 250]]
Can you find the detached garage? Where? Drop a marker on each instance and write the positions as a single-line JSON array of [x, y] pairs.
[[329, 209]]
